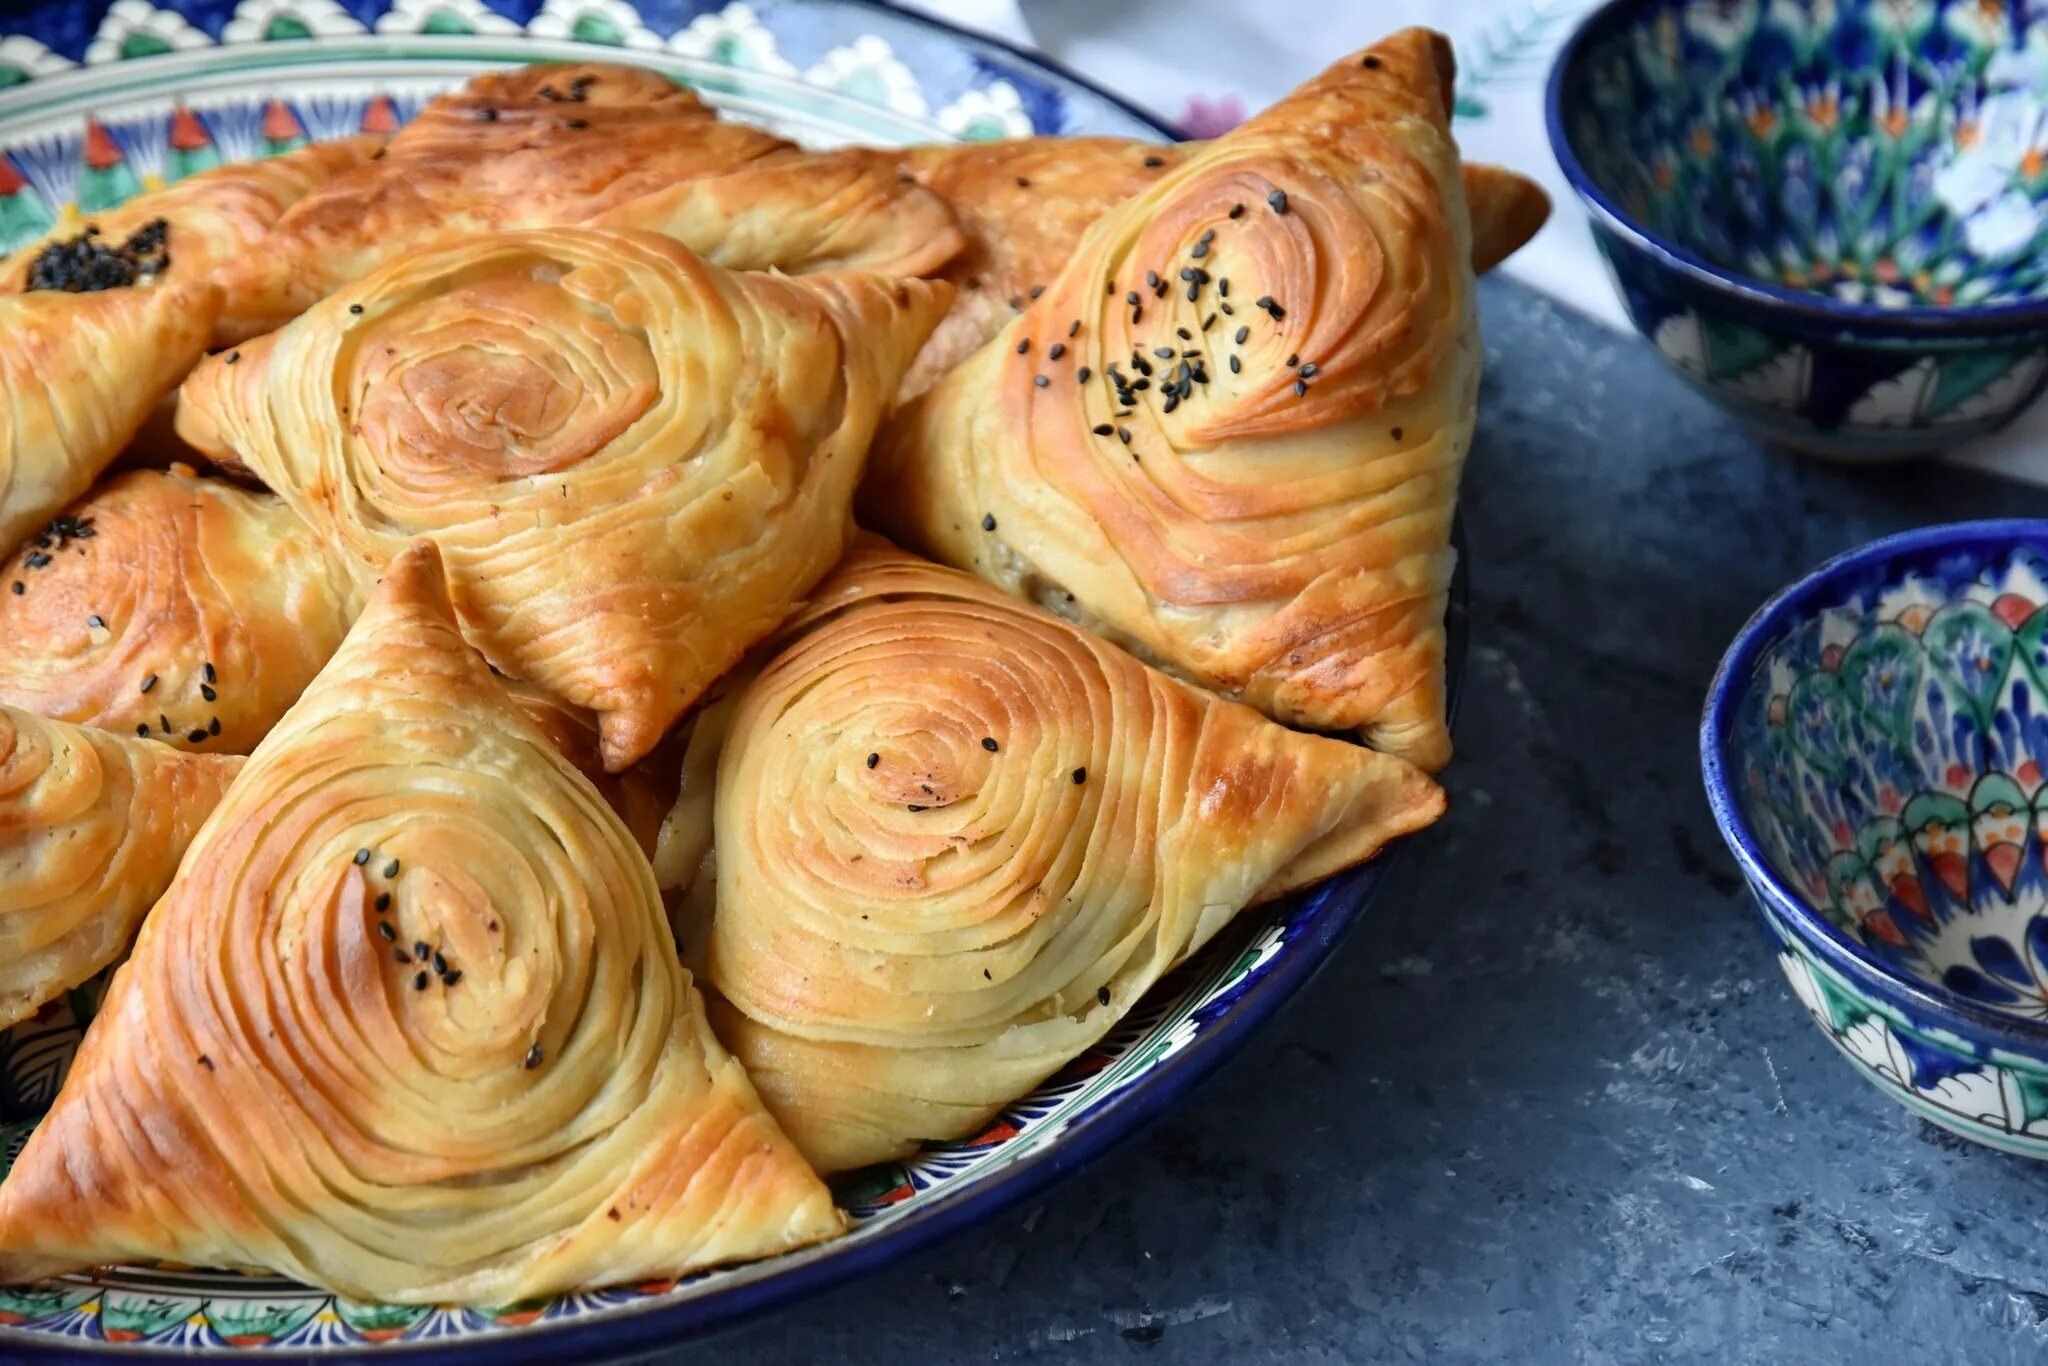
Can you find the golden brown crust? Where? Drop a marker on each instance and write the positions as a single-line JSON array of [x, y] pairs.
[[181, 606], [801, 213], [958, 839], [266, 1087], [82, 372], [1507, 209], [634, 461], [213, 217], [91, 829], [529, 147], [1281, 530]]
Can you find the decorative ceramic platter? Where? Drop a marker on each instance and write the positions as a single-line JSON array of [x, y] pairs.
[[99, 102]]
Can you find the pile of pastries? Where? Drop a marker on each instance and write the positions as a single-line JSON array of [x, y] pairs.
[[449, 655]]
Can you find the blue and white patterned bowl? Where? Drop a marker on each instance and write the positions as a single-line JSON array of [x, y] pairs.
[[1875, 749], [1831, 216]]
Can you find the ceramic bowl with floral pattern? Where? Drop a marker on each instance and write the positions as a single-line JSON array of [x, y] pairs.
[[1875, 749], [1831, 216]]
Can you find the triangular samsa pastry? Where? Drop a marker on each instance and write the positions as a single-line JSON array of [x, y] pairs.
[[172, 605], [92, 826], [1229, 432], [801, 213], [634, 461], [1023, 205], [532, 146], [185, 231], [79, 374], [408, 1025], [958, 839]]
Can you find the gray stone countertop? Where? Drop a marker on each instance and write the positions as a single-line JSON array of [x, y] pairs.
[[1551, 1101]]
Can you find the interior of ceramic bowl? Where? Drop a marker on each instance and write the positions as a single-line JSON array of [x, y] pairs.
[[1887, 152], [1888, 753]]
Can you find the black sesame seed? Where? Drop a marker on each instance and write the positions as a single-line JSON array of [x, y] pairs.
[[206, 672], [391, 868], [1223, 286], [913, 808], [149, 682], [1109, 286], [874, 759], [988, 521], [1040, 380], [1023, 346], [1397, 433], [1083, 374], [419, 949], [384, 928], [1243, 333], [1022, 183], [1152, 278], [419, 981], [439, 963], [1080, 776], [1102, 429], [1194, 293], [988, 742], [1136, 314], [1123, 434], [1263, 301], [143, 730], [1277, 312], [96, 622], [362, 857], [1208, 235], [451, 977], [1235, 367], [165, 722], [1237, 210], [355, 308], [213, 725], [533, 1057], [1300, 387], [206, 691], [1102, 996], [197, 737], [1183, 334], [1293, 359], [1201, 250], [1058, 349], [232, 357], [1132, 297], [1278, 199], [575, 123], [1369, 62], [1309, 371], [1037, 290], [383, 902], [1154, 163], [1163, 352], [1075, 330]]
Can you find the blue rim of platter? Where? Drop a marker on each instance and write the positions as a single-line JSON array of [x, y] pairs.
[[1827, 586], [1915, 319], [1324, 914], [1310, 924]]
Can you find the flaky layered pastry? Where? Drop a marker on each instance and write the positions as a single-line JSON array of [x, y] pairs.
[[172, 606], [1230, 431], [192, 226], [959, 838], [530, 146], [91, 829], [801, 213], [1023, 205], [79, 374], [408, 1025], [634, 461]]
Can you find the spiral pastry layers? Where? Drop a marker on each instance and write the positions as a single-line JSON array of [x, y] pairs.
[[529, 1102], [79, 374], [210, 218], [1232, 428], [532, 146], [634, 461], [959, 838], [172, 607], [91, 829]]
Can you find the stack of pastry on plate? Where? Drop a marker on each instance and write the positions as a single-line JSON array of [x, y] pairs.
[[525, 574]]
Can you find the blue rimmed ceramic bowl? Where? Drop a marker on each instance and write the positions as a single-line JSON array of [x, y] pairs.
[[1830, 216], [1875, 748]]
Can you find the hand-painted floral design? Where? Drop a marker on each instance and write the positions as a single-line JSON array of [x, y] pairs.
[[733, 36]]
